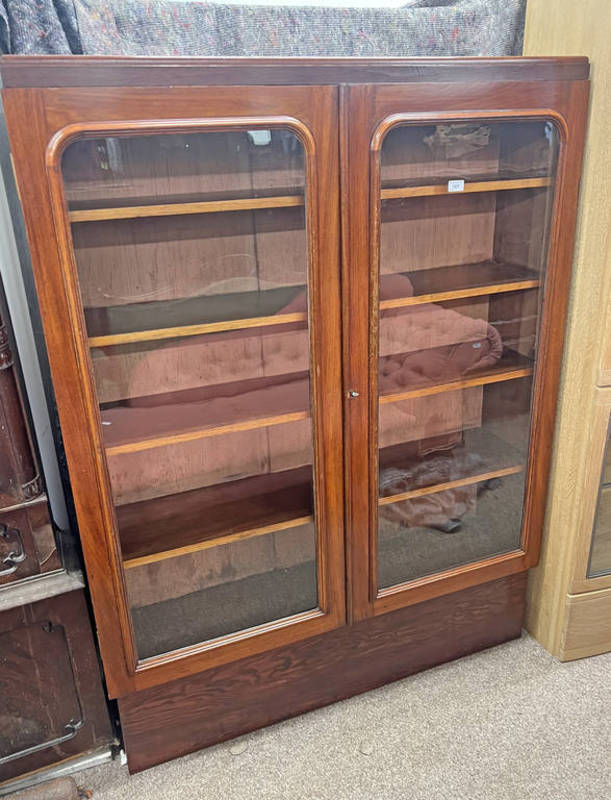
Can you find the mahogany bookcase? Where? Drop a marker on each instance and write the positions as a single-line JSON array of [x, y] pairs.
[[305, 323]]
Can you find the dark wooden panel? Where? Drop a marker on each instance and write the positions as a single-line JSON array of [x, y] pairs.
[[19, 479], [39, 700], [50, 674], [27, 542], [39, 71], [188, 714]]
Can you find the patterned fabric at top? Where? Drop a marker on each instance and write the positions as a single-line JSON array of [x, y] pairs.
[[191, 28]]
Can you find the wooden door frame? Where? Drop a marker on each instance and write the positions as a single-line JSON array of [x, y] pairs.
[[366, 113], [53, 118]]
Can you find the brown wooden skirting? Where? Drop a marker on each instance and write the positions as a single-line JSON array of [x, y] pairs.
[[190, 713]]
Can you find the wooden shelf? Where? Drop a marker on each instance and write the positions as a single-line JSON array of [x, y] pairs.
[[136, 426], [176, 209], [195, 330], [285, 201], [442, 487], [429, 190], [175, 525], [192, 316], [203, 433], [491, 451], [139, 322], [461, 281], [167, 527], [185, 416], [510, 366], [171, 526]]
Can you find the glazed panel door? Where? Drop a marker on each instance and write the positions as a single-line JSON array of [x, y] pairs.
[[592, 567], [458, 267], [201, 260]]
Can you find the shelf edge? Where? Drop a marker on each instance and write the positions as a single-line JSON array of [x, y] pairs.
[[442, 487], [181, 209], [218, 541], [431, 190], [204, 433], [507, 375], [181, 331], [459, 294]]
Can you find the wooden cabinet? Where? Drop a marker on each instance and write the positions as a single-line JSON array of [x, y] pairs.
[[305, 324], [53, 703]]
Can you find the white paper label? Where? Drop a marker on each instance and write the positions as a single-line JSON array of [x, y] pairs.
[[260, 137], [456, 186]]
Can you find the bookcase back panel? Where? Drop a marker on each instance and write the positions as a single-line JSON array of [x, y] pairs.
[[473, 150], [121, 168], [427, 232], [137, 261]]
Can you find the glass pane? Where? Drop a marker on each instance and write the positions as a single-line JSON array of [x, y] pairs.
[[226, 588], [192, 262], [465, 214], [606, 476], [600, 554]]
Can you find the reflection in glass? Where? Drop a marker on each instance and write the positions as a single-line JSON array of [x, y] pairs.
[[190, 599], [600, 553], [465, 211], [192, 263]]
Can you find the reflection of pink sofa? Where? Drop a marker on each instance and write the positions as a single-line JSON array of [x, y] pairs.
[[229, 377], [421, 346]]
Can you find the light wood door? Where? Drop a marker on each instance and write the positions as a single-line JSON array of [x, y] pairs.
[[455, 273], [198, 266]]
